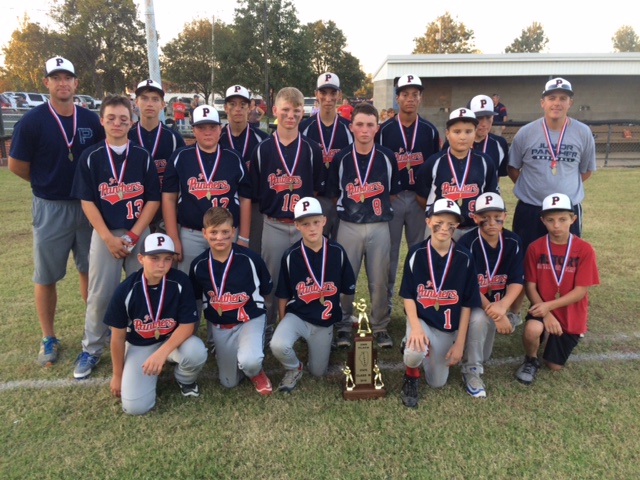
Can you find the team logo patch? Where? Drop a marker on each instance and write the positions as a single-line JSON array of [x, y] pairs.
[[113, 193], [280, 183], [407, 160], [452, 192], [427, 296], [200, 188], [147, 329], [499, 282], [358, 192], [309, 291], [228, 302]]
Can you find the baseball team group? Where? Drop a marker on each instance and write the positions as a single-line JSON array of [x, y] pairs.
[[265, 234]]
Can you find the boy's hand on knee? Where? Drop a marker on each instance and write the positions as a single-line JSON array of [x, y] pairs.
[[552, 325], [540, 309], [153, 365], [454, 355], [418, 341]]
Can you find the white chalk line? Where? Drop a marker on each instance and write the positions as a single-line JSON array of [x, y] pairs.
[[333, 370]]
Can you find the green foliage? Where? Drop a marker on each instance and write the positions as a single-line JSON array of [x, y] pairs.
[[531, 40], [366, 90], [626, 40], [26, 53], [105, 42], [446, 35]]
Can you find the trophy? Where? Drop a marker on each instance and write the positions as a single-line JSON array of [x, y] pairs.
[[363, 378]]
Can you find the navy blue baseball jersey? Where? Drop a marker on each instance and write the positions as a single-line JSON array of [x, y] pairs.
[[160, 142], [435, 180], [310, 296], [420, 141], [219, 181], [37, 139], [120, 195], [236, 297], [364, 186], [331, 139], [245, 143], [128, 307], [496, 148], [280, 176], [440, 304], [497, 267]]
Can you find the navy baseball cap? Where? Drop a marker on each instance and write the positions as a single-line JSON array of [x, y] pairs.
[[307, 207], [205, 114], [557, 202], [158, 243], [445, 205], [557, 84], [59, 64], [462, 115], [149, 85]]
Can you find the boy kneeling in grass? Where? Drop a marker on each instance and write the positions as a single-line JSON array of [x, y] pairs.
[[152, 316], [558, 270]]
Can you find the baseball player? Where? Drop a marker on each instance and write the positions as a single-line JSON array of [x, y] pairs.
[[241, 136], [439, 288], [284, 168], [332, 132], [314, 273], [364, 179], [458, 173], [149, 132], [198, 177], [232, 281], [555, 153], [152, 316], [413, 139], [498, 257], [117, 184], [45, 147], [559, 268], [494, 146]]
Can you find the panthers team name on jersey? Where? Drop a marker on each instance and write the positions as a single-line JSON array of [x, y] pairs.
[[328, 157], [280, 183], [124, 191], [310, 291], [355, 192], [427, 296], [467, 191], [161, 165], [409, 159], [147, 328], [200, 189], [499, 282]]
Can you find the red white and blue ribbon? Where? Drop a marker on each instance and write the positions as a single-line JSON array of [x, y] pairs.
[[554, 154], [404, 137], [327, 149], [118, 176], [558, 278], [320, 284], [156, 143], [158, 316], [219, 290], [246, 140], [201, 163], [281, 155], [437, 288], [460, 185], [64, 134], [369, 165], [491, 273]]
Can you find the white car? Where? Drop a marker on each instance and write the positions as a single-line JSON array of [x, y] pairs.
[[308, 106]]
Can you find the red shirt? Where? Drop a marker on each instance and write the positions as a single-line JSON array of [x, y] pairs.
[[345, 111], [581, 271], [178, 110]]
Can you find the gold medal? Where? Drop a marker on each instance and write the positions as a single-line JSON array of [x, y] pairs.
[[208, 195], [219, 310], [120, 194], [408, 165], [362, 197], [489, 291], [460, 201], [558, 294], [291, 187], [436, 306], [157, 334], [327, 164], [322, 299], [70, 156], [554, 170]]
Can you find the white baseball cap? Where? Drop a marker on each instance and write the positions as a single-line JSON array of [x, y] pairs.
[[158, 243], [556, 84], [149, 85], [409, 80], [58, 64], [557, 201], [489, 202], [444, 205], [328, 80], [237, 91], [205, 114], [462, 115], [307, 207], [482, 106]]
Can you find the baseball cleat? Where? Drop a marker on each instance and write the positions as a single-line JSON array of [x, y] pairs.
[[474, 384], [262, 383], [290, 379], [409, 392], [48, 354], [85, 363], [189, 389]]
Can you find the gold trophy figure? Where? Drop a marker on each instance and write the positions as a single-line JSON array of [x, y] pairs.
[[377, 380], [364, 327], [349, 384]]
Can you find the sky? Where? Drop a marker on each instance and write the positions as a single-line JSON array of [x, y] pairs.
[[374, 33]]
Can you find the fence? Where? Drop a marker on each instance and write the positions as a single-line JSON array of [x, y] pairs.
[[617, 141]]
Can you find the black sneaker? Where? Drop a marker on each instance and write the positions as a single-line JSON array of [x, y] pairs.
[[343, 339], [527, 372], [409, 393], [383, 339], [189, 389]]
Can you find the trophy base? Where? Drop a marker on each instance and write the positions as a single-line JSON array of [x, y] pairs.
[[363, 392]]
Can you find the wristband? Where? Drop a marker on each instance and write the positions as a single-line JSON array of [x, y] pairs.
[[243, 239], [133, 236]]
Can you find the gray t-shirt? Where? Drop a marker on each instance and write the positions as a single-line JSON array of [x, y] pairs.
[[529, 153]]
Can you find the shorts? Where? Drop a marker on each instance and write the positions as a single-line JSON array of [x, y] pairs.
[[59, 227], [528, 226], [558, 347]]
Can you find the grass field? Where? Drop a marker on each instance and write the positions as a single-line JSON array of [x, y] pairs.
[[582, 422]]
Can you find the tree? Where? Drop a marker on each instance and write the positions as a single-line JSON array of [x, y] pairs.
[[626, 40], [327, 44], [105, 41], [187, 60], [366, 90], [531, 40], [286, 46], [446, 35], [26, 53]]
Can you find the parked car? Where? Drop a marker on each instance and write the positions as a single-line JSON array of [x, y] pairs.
[[28, 99], [308, 105], [7, 101], [91, 102]]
